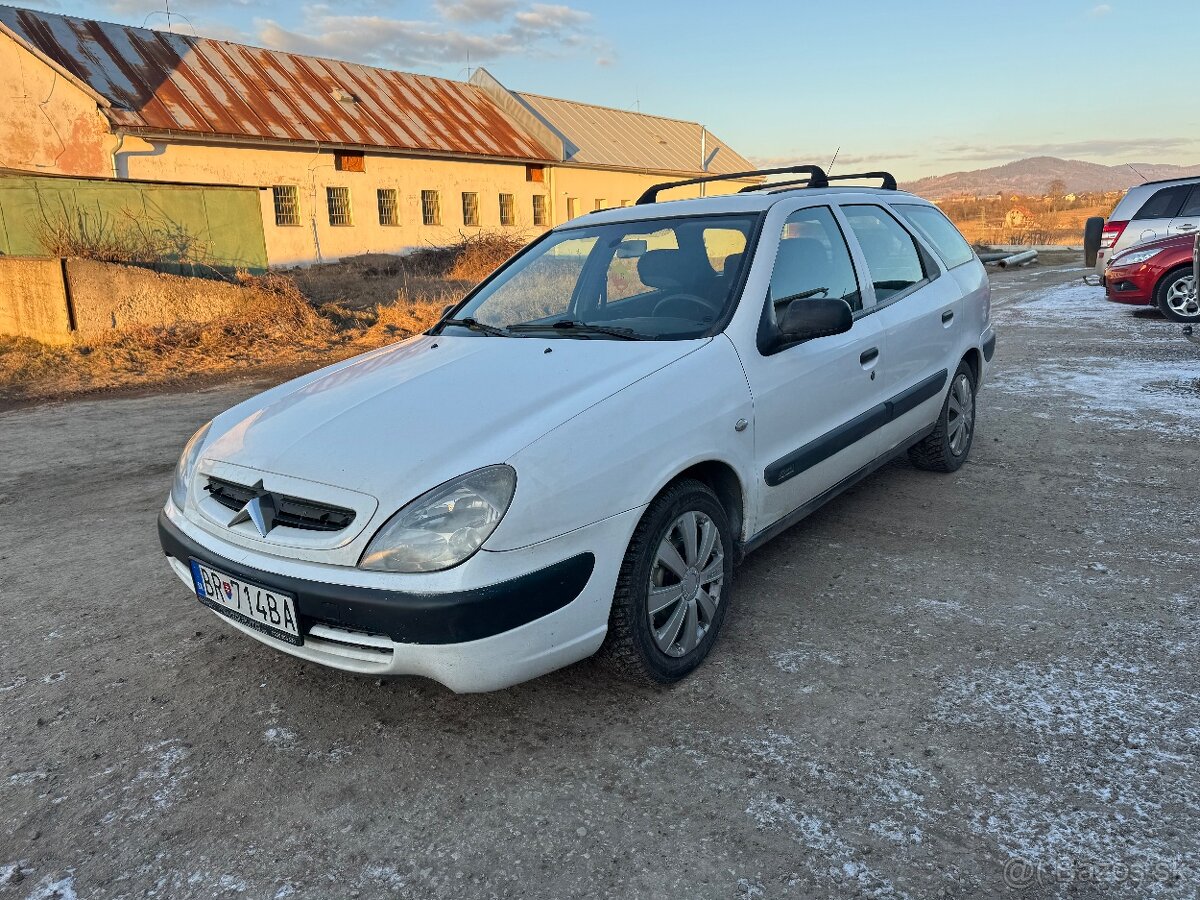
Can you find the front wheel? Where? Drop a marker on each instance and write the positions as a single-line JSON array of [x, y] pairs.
[[1177, 297], [946, 448], [674, 586]]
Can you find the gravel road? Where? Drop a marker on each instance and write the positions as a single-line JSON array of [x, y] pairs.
[[935, 686]]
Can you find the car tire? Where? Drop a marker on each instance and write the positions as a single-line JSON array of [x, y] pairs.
[[665, 645], [1176, 296], [948, 445]]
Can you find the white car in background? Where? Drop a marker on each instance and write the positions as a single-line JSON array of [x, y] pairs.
[[577, 454], [1150, 212]]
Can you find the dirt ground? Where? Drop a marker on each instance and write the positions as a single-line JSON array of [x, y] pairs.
[[935, 686]]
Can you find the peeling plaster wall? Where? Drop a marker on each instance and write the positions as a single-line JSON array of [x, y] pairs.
[[46, 123]]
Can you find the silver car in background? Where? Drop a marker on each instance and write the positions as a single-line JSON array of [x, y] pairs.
[[1147, 212]]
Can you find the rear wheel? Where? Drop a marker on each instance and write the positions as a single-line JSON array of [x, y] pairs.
[[946, 449], [1176, 296], [674, 586]]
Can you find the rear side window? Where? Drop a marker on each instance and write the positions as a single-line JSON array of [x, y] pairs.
[[892, 256], [1191, 209], [813, 260], [1164, 204], [939, 231]]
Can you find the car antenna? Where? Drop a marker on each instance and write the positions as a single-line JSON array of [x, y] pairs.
[[835, 156], [1137, 173]]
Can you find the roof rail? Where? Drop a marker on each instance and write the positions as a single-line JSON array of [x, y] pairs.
[[888, 179], [816, 179]]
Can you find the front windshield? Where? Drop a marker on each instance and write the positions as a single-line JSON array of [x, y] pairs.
[[662, 279]]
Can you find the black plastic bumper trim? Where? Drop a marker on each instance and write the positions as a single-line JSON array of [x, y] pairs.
[[407, 618], [989, 347], [819, 450]]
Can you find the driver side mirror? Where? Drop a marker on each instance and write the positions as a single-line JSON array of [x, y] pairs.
[[814, 317]]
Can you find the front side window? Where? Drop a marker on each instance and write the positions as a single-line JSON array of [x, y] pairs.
[[431, 208], [287, 204], [812, 261], [893, 261], [388, 212], [470, 201], [1164, 204], [632, 280], [338, 201], [933, 225]]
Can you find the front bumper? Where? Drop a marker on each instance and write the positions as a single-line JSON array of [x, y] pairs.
[[469, 637], [1129, 284]]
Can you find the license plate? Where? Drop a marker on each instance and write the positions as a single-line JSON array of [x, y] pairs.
[[261, 608]]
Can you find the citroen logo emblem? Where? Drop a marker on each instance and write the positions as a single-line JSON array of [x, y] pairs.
[[259, 509]]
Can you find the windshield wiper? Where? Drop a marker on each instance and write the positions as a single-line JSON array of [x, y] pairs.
[[476, 325], [578, 327]]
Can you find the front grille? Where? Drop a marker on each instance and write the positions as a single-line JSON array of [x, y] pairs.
[[290, 512]]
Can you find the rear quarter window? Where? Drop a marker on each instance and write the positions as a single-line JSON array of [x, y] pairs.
[[933, 225], [1164, 203]]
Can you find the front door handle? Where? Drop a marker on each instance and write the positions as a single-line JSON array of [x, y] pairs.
[[948, 317], [868, 357]]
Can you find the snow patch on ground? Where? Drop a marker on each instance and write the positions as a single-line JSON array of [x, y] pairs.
[[836, 862], [49, 889]]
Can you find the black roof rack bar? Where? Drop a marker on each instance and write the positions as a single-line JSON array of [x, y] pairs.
[[816, 173], [771, 185], [888, 179], [889, 182]]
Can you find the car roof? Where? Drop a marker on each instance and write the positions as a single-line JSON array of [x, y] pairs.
[[750, 202]]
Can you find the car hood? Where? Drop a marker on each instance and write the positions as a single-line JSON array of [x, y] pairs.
[[400, 421]]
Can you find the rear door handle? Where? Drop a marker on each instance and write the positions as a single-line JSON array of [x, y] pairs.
[[868, 356], [1186, 227], [948, 317]]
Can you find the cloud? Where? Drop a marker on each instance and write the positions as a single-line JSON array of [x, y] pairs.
[[489, 29], [1100, 147], [822, 159], [1099, 11], [474, 10]]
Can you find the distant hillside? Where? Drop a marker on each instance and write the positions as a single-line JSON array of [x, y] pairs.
[[1034, 175]]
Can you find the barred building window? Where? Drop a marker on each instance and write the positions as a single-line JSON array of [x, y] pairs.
[[470, 208], [507, 213], [338, 199], [431, 208], [287, 204], [388, 213], [539, 209]]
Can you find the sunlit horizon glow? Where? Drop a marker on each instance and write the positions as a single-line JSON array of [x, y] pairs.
[[939, 86]]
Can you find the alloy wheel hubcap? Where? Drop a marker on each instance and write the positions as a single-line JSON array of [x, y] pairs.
[[685, 583], [1182, 297], [962, 415]]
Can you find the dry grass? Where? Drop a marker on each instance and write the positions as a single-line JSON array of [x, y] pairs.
[[308, 317]]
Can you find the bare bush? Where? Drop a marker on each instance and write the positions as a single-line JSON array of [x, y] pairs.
[[124, 238]]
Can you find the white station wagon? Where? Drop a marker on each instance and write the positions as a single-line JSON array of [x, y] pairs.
[[573, 459]]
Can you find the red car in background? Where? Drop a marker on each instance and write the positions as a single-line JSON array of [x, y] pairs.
[[1157, 273]]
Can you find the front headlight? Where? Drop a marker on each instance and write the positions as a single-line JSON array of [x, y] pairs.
[[187, 462], [1133, 258], [445, 526]]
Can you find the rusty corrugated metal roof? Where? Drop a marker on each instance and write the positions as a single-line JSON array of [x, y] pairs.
[[619, 138], [162, 82]]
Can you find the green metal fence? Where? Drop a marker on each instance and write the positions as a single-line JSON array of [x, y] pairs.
[[177, 228]]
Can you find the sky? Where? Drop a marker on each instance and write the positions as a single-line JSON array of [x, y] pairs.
[[919, 87]]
